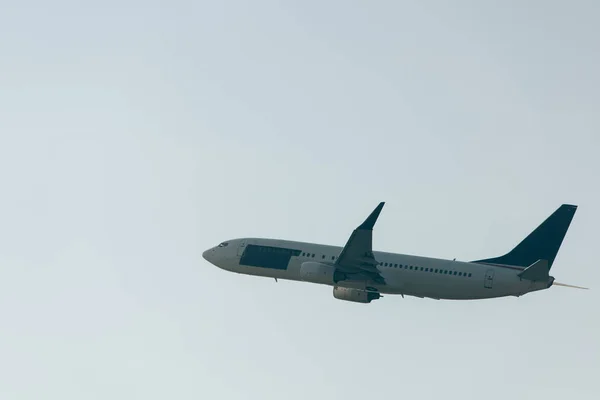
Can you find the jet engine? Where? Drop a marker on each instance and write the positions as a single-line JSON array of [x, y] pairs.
[[320, 273], [356, 295]]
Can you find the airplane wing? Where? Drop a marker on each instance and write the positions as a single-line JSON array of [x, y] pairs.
[[357, 255]]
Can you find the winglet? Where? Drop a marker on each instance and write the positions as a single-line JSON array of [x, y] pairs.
[[371, 219]]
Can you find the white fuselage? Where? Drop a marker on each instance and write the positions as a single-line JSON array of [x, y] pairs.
[[403, 274]]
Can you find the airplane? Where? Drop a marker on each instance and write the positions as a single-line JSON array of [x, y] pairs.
[[359, 274]]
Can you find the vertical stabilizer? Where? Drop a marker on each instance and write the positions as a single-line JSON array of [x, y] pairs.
[[541, 244]]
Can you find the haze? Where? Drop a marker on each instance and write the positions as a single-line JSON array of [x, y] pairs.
[[134, 135]]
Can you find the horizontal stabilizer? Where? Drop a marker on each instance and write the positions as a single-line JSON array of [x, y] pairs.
[[538, 271]]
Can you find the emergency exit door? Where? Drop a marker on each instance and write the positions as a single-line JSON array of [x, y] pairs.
[[489, 279]]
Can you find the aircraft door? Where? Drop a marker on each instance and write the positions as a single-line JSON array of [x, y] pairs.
[[241, 248], [489, 279]]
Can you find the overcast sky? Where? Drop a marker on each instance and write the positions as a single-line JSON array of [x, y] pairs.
[[136, 134]]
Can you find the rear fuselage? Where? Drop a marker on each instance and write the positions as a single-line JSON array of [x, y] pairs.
[[403, 274]]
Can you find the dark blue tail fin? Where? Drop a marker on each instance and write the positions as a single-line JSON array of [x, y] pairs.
[[541, 244]]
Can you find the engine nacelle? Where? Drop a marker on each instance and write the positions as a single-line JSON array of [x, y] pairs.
[[315, 272], [356, 295]]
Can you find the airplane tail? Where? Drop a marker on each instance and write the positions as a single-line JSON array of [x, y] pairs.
[[541, 244], [539, 272]]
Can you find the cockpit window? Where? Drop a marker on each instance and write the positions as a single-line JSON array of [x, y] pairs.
[[223, 244]]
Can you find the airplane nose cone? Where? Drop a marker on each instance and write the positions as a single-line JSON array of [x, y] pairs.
[[208, 255]]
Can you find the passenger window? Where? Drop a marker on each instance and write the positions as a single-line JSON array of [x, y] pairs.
[[436, 271], [454, 273], [421, 268], [469, 275]]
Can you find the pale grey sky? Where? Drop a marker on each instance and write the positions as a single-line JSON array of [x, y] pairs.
[[134, 135]]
